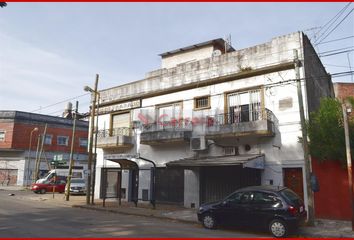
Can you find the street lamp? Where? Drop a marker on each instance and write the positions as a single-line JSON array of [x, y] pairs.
[[29, 154], [89, 164]]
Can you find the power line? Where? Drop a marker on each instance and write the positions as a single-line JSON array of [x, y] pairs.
[[337, 25], [331, 22], [331, 54], [335, 40]]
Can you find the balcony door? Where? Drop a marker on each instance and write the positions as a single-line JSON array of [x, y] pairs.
[[168, 116], [244, 106], [121, 124]]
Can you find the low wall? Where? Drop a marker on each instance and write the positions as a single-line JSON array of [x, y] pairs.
[[332, 201]]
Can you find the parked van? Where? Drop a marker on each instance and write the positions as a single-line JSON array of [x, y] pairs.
[[77, 172]]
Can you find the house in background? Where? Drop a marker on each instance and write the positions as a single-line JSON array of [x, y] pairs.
[[20, 144], [213, 119]]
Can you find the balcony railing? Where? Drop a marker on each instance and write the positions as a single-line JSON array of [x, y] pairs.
[[237, 123], [173, 125], [123, 131], [115, 138]]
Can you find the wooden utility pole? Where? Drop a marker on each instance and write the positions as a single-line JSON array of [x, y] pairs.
[[34, 173], [90, 157], [349, 160], [71, 155], [41, 151], [310, 201]]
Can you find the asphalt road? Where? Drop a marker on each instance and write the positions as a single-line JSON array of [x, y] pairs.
[[24, 216]]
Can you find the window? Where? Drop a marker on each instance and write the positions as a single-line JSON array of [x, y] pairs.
[[83, 142], [169, 116], [63, 140], [265, 198], [201, 102], [121, 124], [2, 136], [247, 197], [48, 139], [234, 198], [244, 106]]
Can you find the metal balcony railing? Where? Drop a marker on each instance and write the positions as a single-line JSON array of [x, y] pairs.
[[239, 116], [123, 131], [173, 125]]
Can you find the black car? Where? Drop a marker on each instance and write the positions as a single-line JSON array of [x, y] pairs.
[[277, 209]]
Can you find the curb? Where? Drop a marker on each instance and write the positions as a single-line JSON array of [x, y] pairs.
[[134, 214]]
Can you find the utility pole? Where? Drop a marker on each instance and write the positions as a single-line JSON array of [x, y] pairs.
[[349, 160], [310, 201], [41, 151], [95, 159], [67, 193], [34, 174], [92, 122]]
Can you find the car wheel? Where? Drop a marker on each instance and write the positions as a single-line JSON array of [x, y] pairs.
[[42, 191], [209, 221], [278, 228]]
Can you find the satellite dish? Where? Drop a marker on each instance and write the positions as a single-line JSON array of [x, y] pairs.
[[216, 53]]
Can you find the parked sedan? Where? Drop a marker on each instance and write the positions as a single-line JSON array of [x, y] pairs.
[[77, 186], [56, 185], [277, 209]]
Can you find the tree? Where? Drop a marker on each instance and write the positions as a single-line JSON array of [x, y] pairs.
[[326, 132]]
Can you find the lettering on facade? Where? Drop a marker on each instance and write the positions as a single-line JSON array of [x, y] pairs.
[[120, 106]]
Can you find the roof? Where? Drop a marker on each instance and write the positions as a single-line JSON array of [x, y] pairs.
[[217, 41], [220, 161]]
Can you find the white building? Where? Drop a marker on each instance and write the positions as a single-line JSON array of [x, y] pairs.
[[212, 119]]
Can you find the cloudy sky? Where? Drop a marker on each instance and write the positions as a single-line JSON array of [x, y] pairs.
[[50, 51]]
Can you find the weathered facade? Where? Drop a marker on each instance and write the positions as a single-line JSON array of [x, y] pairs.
[[212, 119], [20, 144]]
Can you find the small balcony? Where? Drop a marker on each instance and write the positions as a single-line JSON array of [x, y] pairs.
[[257, 123], [166, 132], [115, 138]]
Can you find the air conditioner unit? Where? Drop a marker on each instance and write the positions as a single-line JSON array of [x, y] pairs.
[[198, 143]]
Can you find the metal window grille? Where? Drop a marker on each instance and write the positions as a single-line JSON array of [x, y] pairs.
[[202, 102]]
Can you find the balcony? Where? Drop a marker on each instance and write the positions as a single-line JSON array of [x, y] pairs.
[[115, 138], [165, 132], [258, 123]]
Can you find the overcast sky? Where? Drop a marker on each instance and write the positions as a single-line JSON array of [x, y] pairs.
[[50, 51]]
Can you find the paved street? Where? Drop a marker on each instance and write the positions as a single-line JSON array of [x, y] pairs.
[[28, 215]]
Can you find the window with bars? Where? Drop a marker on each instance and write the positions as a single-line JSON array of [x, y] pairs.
[[202, 102]]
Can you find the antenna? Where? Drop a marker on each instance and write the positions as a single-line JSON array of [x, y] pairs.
[[228, 43]]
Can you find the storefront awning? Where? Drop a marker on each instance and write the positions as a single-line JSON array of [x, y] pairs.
[[246, 160], [124, 160]]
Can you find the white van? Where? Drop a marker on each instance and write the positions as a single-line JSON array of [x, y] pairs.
[[78, 173]]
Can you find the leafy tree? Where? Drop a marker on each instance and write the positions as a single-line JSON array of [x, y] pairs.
[[326, 132]]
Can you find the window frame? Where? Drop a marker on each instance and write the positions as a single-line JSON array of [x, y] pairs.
[[81, 139], [51, 139], [4, 133], [67, 140], [195, 100]]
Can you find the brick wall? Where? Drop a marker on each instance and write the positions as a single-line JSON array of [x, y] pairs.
[[343, 90], [8, 128]]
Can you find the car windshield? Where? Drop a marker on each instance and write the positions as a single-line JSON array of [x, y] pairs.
[[291, 196], [77, 181]]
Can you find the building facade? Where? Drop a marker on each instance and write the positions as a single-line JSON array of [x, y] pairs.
[[211, 120], [20, 145]]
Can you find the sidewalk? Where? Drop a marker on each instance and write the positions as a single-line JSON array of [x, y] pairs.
[[322, 229]]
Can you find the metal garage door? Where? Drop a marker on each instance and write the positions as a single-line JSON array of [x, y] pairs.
[[8, 177], [218, 182], [169, 185]]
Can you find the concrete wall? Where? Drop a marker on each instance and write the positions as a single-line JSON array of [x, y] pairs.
[[191, 188], [186, 56]]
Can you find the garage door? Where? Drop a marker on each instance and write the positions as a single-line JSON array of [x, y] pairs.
[[8, 177], [218, 182]]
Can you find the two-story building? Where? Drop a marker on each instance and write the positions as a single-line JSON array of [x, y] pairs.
[[213, 119], [21, 146]]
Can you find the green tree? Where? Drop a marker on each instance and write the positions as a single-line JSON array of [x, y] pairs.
[[326, 132]]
